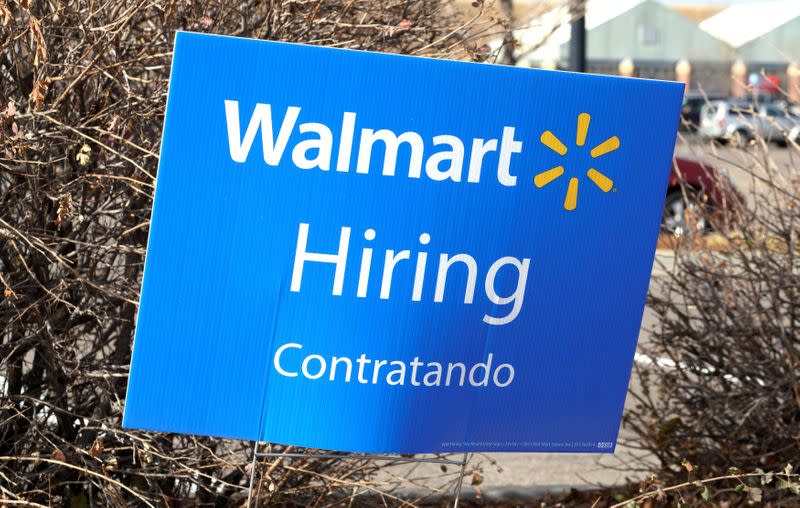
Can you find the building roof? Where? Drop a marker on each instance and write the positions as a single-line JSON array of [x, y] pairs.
[[615, 30], [557, 21], [742, 23], [697, 13], [602, 11]]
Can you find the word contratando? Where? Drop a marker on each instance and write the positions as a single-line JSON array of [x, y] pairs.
[[289, 361]]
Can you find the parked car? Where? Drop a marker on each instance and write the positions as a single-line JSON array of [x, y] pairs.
[[794, 134], [699, 199], [693, 102], [779, 121], [740, 122]]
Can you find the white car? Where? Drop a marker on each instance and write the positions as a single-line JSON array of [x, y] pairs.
[[794, 134], [740, 122]]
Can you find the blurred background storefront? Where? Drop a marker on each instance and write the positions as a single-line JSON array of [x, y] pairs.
[[734, 49]]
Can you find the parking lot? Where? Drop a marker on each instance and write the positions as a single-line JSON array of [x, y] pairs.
[[736, 163]]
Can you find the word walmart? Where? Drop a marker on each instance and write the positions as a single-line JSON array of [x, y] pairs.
[[315, 151]]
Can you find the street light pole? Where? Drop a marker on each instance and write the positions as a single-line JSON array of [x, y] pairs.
[[577, 41]]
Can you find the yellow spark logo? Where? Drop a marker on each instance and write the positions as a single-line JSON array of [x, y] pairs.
[[550, 140]]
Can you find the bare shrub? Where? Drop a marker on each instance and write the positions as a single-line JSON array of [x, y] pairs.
[[718, 381], [82, 99]]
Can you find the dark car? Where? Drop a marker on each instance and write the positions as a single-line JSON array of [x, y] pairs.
[[699, 199], [693, 102]]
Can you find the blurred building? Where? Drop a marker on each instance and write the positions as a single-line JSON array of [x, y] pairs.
[[765, 39], [649, 39]]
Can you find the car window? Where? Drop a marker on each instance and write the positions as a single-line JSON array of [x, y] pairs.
[[743, 110], [774, 111]]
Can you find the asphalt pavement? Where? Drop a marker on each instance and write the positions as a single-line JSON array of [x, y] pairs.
[[738, 164]]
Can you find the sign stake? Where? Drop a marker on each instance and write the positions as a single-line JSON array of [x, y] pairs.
[[252, 474], [457, 493]]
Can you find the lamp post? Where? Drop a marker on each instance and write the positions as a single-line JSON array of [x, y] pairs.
[[577, 40], [739, 79], [793, 78], [626, 67], [683, 72]]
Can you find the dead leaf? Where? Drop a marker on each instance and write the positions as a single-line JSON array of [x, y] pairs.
[[40, 54], [10, 110], [5, 12], [83, 157], [401, 27], [59, 455], [477, 478], [481, 53], [64, 209], [38, 93], [97, 449], [688, 465]]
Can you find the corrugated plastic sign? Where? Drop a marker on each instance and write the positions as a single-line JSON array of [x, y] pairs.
[[381, 253]]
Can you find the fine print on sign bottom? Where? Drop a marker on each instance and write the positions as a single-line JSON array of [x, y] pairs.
[[575, 446], [346, 255]]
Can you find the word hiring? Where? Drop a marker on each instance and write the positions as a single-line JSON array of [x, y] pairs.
[[315, 150], [396, 372], [393, 258]]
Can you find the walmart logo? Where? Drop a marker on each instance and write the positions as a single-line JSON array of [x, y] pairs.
[[550, 140]]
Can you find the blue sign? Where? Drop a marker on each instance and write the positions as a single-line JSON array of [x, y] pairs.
[[381, 253]]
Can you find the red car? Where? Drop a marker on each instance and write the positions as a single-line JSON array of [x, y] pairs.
[[699, 199]]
